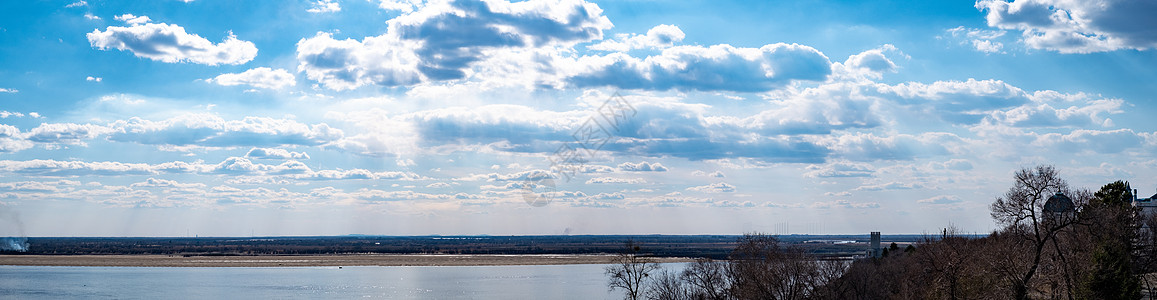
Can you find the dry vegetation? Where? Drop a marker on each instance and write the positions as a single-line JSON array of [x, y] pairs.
[[1098, 247]]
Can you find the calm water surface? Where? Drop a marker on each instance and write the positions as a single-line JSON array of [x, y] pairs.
[[489, 282]]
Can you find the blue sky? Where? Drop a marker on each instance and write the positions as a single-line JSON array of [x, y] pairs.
[[167, 118]]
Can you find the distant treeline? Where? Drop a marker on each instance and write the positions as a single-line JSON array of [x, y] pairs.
[[711, 246]]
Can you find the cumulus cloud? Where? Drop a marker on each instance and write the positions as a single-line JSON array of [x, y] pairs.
[[441, 41], [953, 164], [11, 140], [212, 131], [324, 6], [517, 176], [1076, 26], [890, 186], [10, 91], [718, 187], [873, 60], [405, 6], [253, 172], [979, 39], [4, 114], [839, 169], [1092, 113], [959, 102], [66, 133], [675, 130], [362, 174], [170, 43], [348, 64], [77, 4], [713, 68], [613, 180], [269, 153], [642, 167], [844, 204], [164, 183], [868, 146], [659, 37], [95, 79], [716, 174], [55, 168], [131, 19], [492, 123], [265, 78], [818, 110], [1099, 141], [942, 199]]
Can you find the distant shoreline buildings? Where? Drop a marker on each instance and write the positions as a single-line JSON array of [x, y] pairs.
[[1148, 206]]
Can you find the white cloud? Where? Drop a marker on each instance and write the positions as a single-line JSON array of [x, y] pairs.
[[703, 68], [11, 140], [659, 37], [265, 78], [818, 110], [77, 4], [94, 79], [517, 176], [979, 39], [716, 174], [1092, 113], [718, 187], [5, 90], [1076, 26], [890, 186], [359, 174], [324, 6], [873, 60], [642, 167], [613, 180], [953, 164], [171, 44], [839, 169], [441, 41], [268, 153], [90, 16], [1099, 141], [958, 102], [66, 133], [163, 183], [405, 6], [131, 19], [869, 146], [942, 199], [348, 64], [845, 204], [987, 46], [212, 131], [55, 168]]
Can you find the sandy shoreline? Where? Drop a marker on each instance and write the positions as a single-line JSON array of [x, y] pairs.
[[307, 260]]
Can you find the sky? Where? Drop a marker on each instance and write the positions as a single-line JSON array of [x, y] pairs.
[[467, 117]]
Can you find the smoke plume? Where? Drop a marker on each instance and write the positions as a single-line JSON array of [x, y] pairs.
[[11, 226]]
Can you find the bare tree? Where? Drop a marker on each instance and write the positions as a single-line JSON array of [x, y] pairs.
[[1021, 211], [760, 269], [667, 285], [707, 279], [629, 271]]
